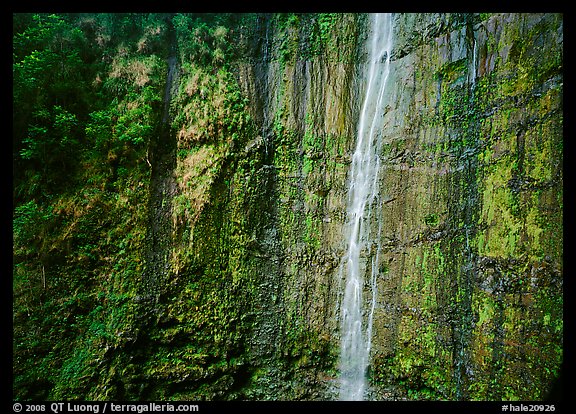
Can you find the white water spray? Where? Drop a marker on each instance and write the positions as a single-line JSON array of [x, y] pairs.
[[355, 325]]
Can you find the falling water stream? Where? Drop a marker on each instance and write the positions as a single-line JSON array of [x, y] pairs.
[[363, 243]]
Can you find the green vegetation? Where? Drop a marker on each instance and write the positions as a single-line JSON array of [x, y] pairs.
[[190, 249], [85, 109]]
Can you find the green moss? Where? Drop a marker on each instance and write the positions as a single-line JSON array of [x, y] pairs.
[[237, 311], [452, 72], [431, 220]]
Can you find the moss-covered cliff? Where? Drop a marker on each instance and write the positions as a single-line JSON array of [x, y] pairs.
[[472, 289], [192, 248]]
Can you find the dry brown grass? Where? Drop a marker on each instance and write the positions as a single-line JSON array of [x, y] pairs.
[[133, 70], [198, 172]]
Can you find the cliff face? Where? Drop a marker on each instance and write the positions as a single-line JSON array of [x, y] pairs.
[[470, 279], [239, 294], [471, 293]]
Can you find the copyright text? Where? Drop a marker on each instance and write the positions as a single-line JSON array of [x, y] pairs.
[[103, 407]]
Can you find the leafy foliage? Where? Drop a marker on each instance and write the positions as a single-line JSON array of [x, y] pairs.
[[228, 212], [85, 108]]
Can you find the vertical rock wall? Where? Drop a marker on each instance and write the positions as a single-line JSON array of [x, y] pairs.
[[226, 283], [306, 102], [470, 288]]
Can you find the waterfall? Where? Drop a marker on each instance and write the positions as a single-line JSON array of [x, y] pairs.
[[355, 325], [170, 82], [163, 187]]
